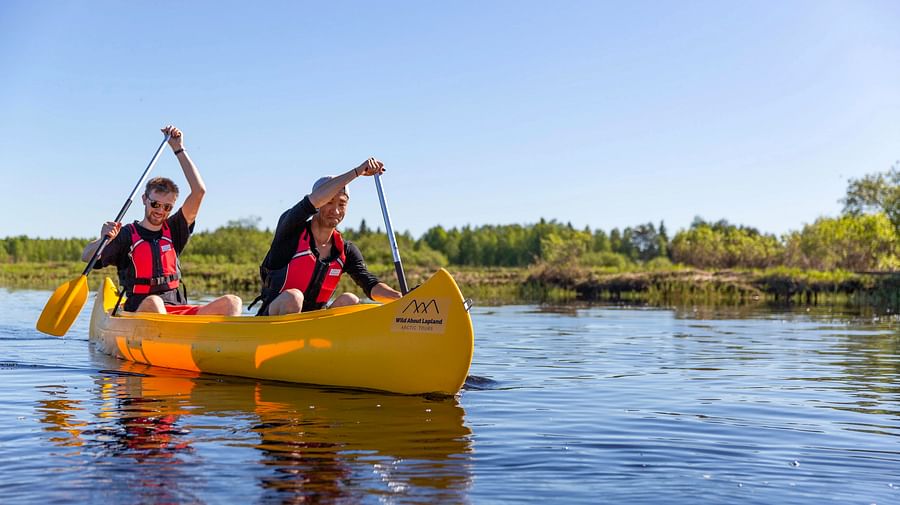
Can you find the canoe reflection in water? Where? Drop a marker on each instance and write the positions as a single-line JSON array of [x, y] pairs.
[[134, 434], [310, 444], [135, 448], [329, 445]]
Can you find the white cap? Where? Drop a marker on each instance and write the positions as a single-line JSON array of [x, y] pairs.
[[325, 179]]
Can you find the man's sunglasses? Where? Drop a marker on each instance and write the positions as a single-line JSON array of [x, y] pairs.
[[153, 203]]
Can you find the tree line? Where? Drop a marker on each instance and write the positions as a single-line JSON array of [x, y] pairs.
[[863, 238]]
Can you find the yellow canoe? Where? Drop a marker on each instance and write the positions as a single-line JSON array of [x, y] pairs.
[[421, 343]]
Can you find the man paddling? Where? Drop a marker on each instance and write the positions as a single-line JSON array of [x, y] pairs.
[[146, 253], [308, 255]]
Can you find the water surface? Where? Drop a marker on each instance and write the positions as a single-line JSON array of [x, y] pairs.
[[572, 405]]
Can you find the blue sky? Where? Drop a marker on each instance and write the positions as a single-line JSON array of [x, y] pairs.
[[604, 114]]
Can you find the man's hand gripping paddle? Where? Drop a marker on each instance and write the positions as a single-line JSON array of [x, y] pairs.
[[67, 301]]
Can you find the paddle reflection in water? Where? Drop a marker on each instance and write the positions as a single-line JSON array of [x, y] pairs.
[[57, 414], [301, 444]]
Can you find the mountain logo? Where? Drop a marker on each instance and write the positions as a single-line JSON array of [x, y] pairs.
[[421, 308]]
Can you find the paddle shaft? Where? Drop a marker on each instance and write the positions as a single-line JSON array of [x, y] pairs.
[[401, 277], [105, 238]]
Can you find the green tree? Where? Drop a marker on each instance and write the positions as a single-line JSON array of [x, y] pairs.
[[645, 242], [878, 192], [851, 242], [615, 240], [601, 242], [723, 245], [663, 240]]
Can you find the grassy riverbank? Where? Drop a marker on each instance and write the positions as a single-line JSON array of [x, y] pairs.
[[668, 286], [677, 286]]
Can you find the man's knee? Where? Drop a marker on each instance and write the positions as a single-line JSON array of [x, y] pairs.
[[294, 299], [345, 300], [227, 305], [152, 303], [231, 305], [290, 301]]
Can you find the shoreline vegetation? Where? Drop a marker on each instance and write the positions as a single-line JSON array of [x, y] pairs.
[[549, 284], [850, 259]]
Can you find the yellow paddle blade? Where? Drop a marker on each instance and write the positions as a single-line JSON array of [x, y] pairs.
[[63, 307]]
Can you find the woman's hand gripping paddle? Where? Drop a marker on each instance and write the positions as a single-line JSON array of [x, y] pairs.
[[67, 301]]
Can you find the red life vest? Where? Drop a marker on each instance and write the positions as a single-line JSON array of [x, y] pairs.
[[302, 268], [154, 264]]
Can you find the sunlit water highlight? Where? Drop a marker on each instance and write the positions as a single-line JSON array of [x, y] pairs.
[[580, 405]]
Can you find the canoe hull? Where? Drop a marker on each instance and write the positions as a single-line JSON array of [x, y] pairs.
[[422, 343]]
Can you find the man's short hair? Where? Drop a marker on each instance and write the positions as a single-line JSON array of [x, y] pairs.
[[162, 185]]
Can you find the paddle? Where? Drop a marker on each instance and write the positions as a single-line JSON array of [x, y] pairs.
[[401, 277], [66, 302]]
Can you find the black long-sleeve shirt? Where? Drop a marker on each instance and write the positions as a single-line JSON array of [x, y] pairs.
[[284, 245]]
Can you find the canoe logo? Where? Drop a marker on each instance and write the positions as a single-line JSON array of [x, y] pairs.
[[420, 316], [421, 308]]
